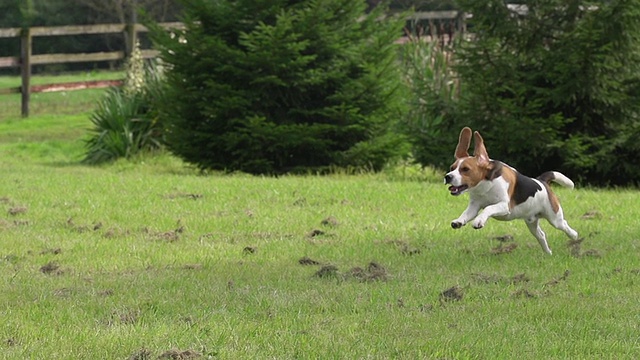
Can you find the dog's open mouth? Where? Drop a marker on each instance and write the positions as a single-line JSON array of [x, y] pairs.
[[457, 190]]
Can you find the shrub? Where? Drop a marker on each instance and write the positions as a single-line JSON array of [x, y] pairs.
[[125, 122], [276, 86], [434, 90], [553, 87]]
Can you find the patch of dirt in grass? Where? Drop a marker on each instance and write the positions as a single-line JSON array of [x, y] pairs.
[[11, 258], [592, 214], [373, 272], [142, 354], [55, 251], [300, 202], [17, 210], [168, 236], [184, 195], [519, 278], [591, 253], [405, 248], [524, 293], [105, 293], [504, 249], [556, 281], [125, 316], [84, 227], [503, 238], [51, 268], [113, 232], [315, 232], [5, 200], [308, 261], [62, 292], [4, 224], [11, 342], [248, 250], [454, 293], [575, 249], [330, 221], [175, 354], [327, 271], [495, 279]]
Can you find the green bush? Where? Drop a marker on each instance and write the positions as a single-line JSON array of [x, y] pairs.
[[275, 86], [555, 87], [434, 90], [125, 122]]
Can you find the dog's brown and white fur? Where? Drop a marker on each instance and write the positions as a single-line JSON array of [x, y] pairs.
[[502, 192]]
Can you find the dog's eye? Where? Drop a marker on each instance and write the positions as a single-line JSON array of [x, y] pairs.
[[464, 169]]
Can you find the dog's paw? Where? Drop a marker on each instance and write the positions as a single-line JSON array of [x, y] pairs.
[[456, 224], [478, 224]]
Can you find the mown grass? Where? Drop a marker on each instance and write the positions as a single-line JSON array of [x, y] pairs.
[[59, 103], [149, 258]]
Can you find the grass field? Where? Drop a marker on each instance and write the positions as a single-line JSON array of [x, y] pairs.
[[150, 259], [59, 103]]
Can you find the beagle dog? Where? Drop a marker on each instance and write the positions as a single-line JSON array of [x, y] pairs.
[[501, 192]]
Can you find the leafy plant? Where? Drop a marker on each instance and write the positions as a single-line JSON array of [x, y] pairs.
[[122, 127], [125, 122], [434, 90]]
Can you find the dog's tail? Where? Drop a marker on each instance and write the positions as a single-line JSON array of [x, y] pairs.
[[556, 177]]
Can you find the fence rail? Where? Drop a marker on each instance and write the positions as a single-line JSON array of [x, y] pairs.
[[130, 30], [27, 59]]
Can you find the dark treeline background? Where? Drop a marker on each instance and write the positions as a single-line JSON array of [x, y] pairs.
[[18, 13]]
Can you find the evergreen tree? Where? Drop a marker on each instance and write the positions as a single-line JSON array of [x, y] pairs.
[[272, 86], [553, 85]]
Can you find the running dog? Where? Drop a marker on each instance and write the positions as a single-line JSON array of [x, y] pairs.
[[501, 192]]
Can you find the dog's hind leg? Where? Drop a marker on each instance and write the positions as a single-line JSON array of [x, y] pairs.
[[560, 223], [536, 230]]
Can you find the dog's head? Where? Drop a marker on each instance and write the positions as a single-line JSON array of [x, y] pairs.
[[468, 171]]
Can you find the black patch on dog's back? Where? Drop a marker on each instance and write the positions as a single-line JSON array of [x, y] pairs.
[[525, 188]]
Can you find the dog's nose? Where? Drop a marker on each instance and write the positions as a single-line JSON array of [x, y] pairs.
[[447, 178]]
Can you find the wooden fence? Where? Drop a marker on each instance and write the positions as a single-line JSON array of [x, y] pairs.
[[26, 59]]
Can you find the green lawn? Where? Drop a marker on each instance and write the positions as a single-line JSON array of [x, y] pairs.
[[150, 258], [58, 103]]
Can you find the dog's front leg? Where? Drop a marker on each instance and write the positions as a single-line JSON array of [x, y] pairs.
[[499, 209], [471, 212]]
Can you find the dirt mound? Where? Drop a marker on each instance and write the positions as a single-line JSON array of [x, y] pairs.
[[454, 293], [176, 354], [327, 271], [504, 249], [373, 272], [308, 261], [51, 268]]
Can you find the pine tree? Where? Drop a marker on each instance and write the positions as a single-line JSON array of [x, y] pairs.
[[273, 86]]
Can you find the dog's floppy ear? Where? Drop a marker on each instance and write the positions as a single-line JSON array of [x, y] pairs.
[[479, 151], [462, 150]]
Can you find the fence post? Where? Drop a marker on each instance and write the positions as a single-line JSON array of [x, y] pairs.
[[461, 23], [132, 34], [25, 67]]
